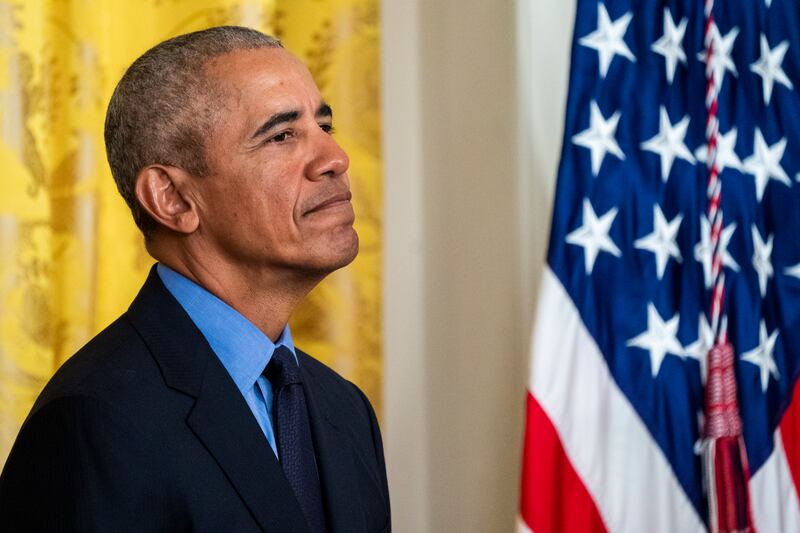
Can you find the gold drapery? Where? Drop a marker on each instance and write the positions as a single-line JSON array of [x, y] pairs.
[[72, 258]]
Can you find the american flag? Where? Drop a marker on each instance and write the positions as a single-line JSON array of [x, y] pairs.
[[615, 408]]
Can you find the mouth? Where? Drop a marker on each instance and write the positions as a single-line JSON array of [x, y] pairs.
[[337, 200]]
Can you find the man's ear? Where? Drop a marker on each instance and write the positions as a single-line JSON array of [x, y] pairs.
[[162, 192]]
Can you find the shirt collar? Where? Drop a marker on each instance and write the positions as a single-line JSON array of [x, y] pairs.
[[242, 348]]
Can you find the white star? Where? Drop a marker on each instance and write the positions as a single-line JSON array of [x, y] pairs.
[[607, 39], [593, 235], [721, 54], [703, 250], [762, 251], [765, 163], [599, 137], [668, 143], [662, 240], [669, 45], [699, 348], [762, 356], [769, 68], [793, 271], [726, 156], [659, 338]]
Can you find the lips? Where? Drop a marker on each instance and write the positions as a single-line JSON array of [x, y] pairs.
[[330, 202]]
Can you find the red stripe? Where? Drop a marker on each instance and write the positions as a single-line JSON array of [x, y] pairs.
[[790, 432], [553, 499]]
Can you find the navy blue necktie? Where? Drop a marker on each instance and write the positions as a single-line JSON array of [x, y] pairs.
[[293, 435]]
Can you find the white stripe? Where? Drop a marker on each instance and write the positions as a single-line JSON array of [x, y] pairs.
[[620, 464], [522, 527], [773, 496]]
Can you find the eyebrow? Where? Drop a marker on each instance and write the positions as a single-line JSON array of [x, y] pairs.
[[324, 110], [274, 120]]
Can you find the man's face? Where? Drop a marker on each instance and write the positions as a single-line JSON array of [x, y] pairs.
[[277, 194]]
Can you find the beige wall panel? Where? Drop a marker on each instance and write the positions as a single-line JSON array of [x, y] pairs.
[[474, 96]]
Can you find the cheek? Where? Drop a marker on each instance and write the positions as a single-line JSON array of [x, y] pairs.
[[266, 196], [274, 210], [283, 198]]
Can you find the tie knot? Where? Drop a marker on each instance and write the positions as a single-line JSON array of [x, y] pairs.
[[282, 368]]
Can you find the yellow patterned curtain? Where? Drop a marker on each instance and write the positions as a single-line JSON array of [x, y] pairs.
[[71, 259]]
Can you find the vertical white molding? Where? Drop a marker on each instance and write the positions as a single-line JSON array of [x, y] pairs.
[[472, 122], [544, 37], [404, 326], [474, 349]]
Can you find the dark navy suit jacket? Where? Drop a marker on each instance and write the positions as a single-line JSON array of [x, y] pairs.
[[144, 430]]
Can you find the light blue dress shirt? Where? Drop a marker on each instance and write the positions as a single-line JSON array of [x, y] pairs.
[[241, 347]]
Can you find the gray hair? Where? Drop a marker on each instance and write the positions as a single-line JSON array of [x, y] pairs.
[[162, 108]]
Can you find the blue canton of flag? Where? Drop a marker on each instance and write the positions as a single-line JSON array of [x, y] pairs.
[[630, 240]]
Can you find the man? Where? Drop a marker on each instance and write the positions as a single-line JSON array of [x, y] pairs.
[[194, 411]]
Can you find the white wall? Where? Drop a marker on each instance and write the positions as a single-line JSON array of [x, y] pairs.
[[471, 138]]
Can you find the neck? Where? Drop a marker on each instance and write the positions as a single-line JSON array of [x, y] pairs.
[[265, 296]]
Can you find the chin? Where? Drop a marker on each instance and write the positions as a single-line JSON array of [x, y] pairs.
[[346, 250], [335, 253]]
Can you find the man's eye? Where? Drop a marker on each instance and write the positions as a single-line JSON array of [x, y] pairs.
[[281, 137], [327, 128]]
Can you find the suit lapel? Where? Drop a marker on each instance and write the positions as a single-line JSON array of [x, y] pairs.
[[341, 484], [224, 423], [220, 418]]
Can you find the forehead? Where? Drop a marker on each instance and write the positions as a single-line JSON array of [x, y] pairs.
[[263, 80]]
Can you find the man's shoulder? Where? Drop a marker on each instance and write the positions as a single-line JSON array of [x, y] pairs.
[[342, 398], [108, 366], [327, 379]]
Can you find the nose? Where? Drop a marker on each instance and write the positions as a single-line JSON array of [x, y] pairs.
[[329, 159]]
